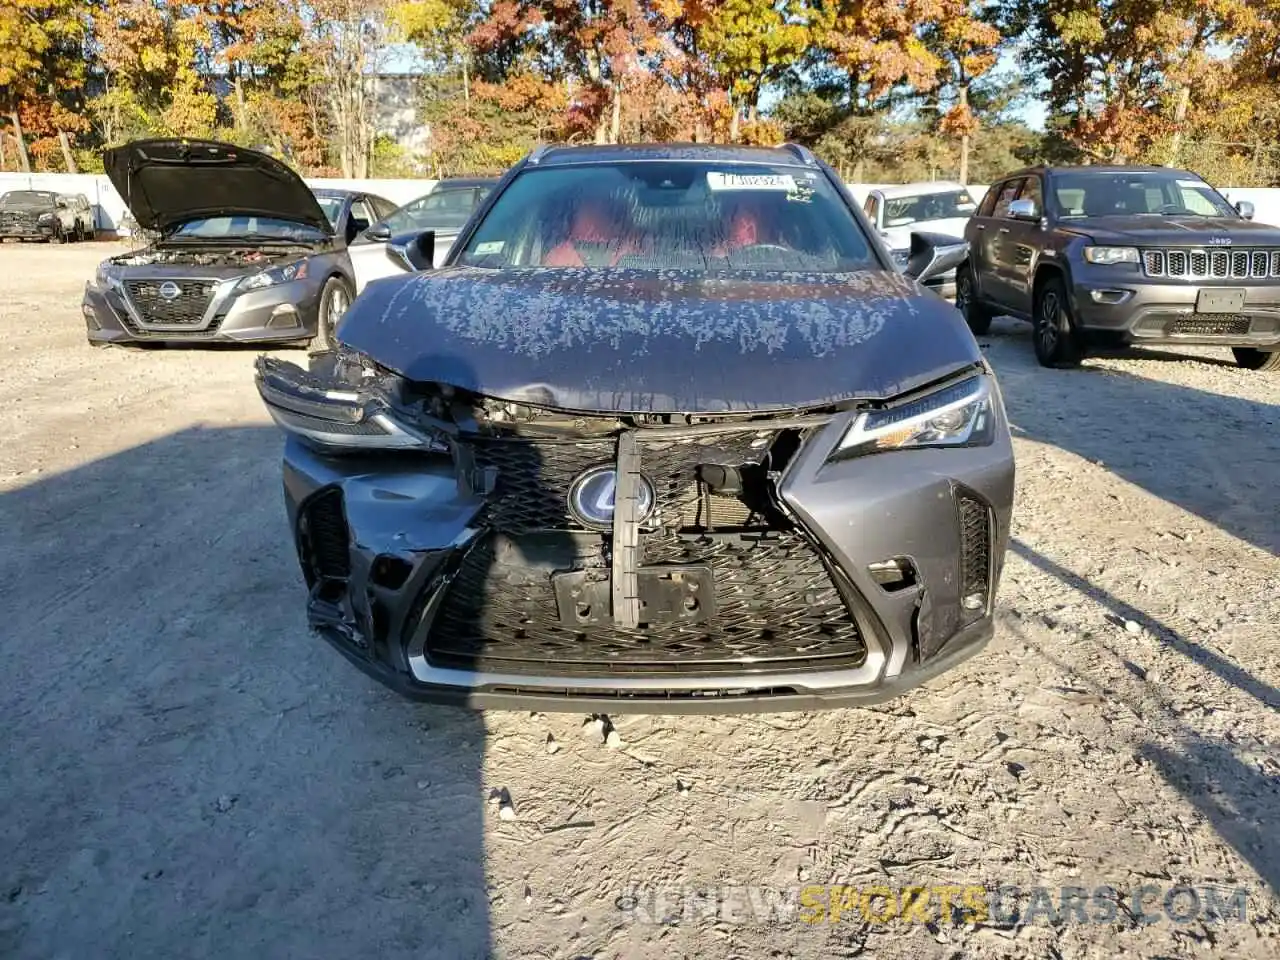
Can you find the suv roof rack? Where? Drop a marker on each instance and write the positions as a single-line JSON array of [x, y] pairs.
[[539, 152], [802, 153]]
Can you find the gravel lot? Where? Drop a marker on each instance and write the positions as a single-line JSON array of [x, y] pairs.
[[185, 771]]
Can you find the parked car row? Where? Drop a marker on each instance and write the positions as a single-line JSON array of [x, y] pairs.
[[592, 436], [45, 215]]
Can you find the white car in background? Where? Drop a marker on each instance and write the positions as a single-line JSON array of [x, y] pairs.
[[445, 209], [936, 207]]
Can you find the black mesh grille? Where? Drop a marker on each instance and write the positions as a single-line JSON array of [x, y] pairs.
[[324, 535], [1212, 325], [777, 609], [534, 476], [776, 606], [532, 490], [186, 307], [975, 546]]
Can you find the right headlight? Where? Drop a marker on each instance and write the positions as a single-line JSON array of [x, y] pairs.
[[338, 417], [1109, 255], [958, 415]]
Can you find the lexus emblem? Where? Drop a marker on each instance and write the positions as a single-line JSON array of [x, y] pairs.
[[593, 496], [170, 290]]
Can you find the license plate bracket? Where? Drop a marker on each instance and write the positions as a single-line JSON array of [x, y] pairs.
[[1220, 300], [668, 594]]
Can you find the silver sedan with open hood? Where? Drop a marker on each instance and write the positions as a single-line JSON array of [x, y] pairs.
[[668, 431], [245, 252]]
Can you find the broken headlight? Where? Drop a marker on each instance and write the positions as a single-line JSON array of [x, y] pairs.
[[269, 278], [958, 415], [342, 412]]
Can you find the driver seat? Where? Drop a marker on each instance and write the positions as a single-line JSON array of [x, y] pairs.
[[744, 231]]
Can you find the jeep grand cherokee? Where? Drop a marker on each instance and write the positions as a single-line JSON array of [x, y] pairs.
[[1123, 255]]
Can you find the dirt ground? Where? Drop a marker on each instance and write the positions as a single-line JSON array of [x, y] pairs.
[[185, 771]]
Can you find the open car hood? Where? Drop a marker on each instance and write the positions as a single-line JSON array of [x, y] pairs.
[[167, 182], [669, 342]]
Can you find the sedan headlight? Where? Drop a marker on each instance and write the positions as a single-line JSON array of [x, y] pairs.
[[269, 278], [1109, 255], [958, 415], [338, 417]]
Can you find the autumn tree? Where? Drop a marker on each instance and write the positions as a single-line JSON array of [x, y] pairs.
[[42, 72], [748, 43], [965, 42]]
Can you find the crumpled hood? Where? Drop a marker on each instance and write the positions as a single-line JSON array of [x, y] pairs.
[[167, 182], [1176, 231], [637, 341]]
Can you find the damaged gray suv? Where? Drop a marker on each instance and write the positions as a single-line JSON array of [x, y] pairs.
[[667, 431], [245, 251]]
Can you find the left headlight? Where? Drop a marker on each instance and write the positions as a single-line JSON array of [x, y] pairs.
[[337, 417], [958, 415], [269, 278]]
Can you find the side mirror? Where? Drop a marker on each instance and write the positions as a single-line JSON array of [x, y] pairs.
[[413, 251], [379, 232], [1024, 210], [934, 255], [1245, 208]]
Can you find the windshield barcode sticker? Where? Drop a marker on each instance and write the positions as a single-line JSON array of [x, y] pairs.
[[746, 181]]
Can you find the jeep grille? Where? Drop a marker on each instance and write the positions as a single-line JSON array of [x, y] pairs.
[[1214, 264]]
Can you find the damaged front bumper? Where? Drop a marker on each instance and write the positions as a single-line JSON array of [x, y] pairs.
[[453, 568]]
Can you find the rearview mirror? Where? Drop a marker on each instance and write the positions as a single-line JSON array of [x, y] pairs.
[[934, 255], [413, 251], [1024, 210], [1245, 208]]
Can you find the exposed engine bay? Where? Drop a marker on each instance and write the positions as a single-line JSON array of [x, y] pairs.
[[211, 256]]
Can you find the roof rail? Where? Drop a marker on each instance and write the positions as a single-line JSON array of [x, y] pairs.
[[802, 153], [539, 152]]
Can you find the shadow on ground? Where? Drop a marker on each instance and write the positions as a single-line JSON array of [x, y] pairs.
[[1242, 803], [1162, 437], [185, 770]]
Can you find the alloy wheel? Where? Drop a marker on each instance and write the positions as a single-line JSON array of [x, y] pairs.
[[1047, 328], [963, 284]]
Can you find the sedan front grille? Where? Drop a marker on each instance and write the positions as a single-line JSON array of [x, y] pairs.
[[170, 302], [1214, 264]]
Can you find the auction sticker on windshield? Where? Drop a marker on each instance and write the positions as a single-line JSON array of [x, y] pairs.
[[751, 181]]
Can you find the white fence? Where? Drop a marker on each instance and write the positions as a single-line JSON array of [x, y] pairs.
[[109, 208]]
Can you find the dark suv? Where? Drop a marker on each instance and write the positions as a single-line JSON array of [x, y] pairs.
[[1122, 255]]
